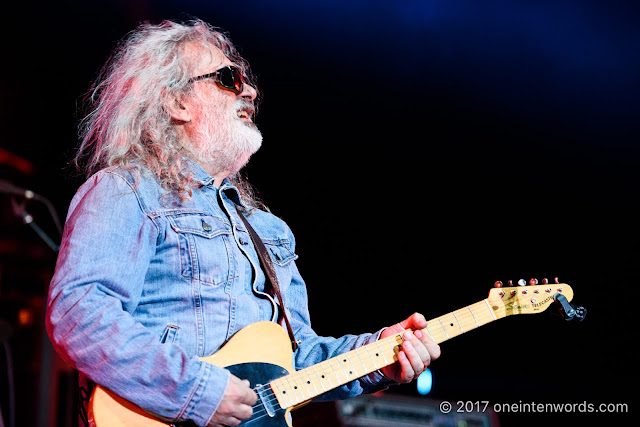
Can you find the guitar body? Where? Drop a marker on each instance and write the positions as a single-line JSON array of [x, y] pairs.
[[260, 353]]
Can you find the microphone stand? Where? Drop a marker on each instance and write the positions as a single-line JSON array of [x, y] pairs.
[[20, 211]]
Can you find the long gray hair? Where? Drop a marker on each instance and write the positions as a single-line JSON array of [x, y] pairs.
[[127, 124]]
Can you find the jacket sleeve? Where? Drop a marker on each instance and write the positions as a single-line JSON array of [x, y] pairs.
[[107, 246]]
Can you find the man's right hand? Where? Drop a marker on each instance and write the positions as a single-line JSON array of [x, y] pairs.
[[236, 404]]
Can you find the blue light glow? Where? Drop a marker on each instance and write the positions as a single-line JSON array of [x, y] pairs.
[[425, 381]]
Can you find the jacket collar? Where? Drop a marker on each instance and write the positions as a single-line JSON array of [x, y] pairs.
[[204, 179]]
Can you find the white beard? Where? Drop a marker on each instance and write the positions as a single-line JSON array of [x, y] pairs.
[[222, 141]]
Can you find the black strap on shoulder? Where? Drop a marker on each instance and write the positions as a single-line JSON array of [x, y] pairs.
[[270, 272]]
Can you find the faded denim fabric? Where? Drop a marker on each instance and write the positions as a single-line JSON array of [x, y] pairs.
[[143, 288]]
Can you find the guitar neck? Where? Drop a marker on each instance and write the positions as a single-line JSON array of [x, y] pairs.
[[305, 384]]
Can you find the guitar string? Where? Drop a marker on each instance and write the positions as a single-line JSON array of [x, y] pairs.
[[263, 409], [267, 398], [270, 397], [257, 405]]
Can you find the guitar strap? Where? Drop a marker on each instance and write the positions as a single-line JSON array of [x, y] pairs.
[[270, 272]]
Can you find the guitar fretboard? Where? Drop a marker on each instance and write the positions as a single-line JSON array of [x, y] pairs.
[[305, 384]]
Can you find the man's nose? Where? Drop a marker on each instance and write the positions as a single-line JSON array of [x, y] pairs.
[[248, 93]]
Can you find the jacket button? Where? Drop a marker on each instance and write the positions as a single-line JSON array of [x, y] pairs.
[[242, 241], [206, 226]]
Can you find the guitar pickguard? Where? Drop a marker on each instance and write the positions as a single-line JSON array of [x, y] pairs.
[[259, 373]]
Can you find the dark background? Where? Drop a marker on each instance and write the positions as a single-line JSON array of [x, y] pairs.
[[419, 150]]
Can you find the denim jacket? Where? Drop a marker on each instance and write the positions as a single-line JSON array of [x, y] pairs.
[[144, 288]]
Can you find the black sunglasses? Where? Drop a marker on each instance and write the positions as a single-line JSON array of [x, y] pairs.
[[228, 77]]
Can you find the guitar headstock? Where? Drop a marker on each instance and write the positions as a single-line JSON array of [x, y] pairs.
[[526, 299]]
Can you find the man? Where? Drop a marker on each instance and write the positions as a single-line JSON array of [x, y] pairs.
[[156, 268]]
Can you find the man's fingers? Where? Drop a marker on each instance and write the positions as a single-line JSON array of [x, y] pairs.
[[430, 345], [243, 412], [236, 403], [245, 394], [417, 321], [416, 352], [407, 373], [418, 349], [250, 397]]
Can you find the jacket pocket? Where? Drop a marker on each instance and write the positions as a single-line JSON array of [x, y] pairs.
[[282, 256], [280, 251], [203, 242]]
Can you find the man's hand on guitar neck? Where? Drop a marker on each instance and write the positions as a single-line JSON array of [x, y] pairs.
[[236, 404], [418, 350]]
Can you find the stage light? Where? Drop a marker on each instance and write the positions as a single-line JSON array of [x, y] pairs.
[[425, 381]]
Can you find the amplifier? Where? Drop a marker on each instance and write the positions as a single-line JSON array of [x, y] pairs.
[[400, 411]]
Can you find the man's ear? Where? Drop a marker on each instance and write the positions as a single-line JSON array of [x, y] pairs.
[[177, 108]]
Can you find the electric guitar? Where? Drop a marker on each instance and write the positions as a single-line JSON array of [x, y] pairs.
[[261, 353]]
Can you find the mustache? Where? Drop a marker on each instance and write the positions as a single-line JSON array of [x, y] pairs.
[[244, 105]]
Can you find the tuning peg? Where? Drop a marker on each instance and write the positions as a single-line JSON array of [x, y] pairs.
[[556, 280], [533, 282], [510, 282], [521, 282], [545, 281], [498, 284]]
